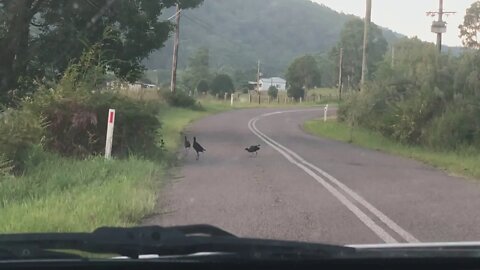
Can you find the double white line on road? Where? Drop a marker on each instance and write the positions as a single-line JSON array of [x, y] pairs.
[[335, 187]]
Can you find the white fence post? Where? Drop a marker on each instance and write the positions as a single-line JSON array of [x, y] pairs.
[[325, 112], [109, 139], [231, 100]]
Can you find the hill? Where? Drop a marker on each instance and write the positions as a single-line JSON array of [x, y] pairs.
[[239, 32]]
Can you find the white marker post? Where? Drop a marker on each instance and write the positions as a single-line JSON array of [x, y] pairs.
[[325, 112], [231, 100], [109, 140]]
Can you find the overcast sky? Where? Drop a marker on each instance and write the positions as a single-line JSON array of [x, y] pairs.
[[407, 17]]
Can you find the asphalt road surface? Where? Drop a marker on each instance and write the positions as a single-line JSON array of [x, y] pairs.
[[305, 188]]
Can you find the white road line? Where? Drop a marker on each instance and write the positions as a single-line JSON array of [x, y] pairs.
[[291, 156]]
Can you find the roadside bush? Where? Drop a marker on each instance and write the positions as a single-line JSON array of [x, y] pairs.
[[457, 128], [19, 131], [77, 121], [179, 99]]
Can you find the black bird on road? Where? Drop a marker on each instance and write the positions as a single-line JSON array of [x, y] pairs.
[[187, 144], [197, 147], [253, 149]]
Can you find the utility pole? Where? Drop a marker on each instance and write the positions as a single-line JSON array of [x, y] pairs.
[[173, 82], [439, 27], [393, 56], [340, 75], [368, 19], [258, 81], [440, 19]]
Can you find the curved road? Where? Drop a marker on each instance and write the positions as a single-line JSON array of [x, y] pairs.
[[305, 188]]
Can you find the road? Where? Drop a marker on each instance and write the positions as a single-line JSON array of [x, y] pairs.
[[305, 188]]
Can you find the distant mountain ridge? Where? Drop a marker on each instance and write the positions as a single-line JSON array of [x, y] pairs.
[[240, 32]]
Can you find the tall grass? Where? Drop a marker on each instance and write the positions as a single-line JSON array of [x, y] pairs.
[[62, 194], [463, 162]]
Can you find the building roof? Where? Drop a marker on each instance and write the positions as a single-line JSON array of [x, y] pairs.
[[276, 80]]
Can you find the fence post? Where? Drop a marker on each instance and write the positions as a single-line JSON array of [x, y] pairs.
[[325, 113], [231, 100]]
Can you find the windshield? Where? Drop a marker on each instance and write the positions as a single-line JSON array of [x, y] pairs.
[[339, 122]]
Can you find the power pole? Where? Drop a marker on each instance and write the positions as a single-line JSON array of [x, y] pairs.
[[368, 19], [258, 81], [173, 82], [393, 56], [440, 19], [340, 75], [439, 27]]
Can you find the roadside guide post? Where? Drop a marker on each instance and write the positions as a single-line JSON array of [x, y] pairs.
[[231, 100], [325, 112], [109, 139]]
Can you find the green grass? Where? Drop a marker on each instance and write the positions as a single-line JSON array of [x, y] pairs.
[[62, 195], [453, 162], [58, 194]]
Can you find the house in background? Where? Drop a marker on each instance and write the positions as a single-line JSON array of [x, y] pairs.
[[266, 83]]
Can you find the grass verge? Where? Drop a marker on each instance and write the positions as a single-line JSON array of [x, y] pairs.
[[453, 162], [59, 194]]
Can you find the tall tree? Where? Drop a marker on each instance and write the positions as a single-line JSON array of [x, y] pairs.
[[470, 28], [39, 38], [198, 68], [221, 84], [351, 40], [303, 73]]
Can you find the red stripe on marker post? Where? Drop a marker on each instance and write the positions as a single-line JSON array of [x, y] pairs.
[[111, 118]]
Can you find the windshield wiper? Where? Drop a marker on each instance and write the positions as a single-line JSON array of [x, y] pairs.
[[161, 241]]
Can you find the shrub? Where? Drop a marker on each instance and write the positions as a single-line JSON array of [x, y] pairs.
[[202, 86], [273, 91], [19, 131], [221, 84], [296, 92], [456, 128], [179, 99], [77, 123]]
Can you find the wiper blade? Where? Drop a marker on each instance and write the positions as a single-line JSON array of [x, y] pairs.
[[167, 241]]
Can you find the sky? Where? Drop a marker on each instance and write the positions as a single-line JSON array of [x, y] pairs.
[[408, 17]]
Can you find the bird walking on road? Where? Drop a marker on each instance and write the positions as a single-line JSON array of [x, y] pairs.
[[187, 144], [253, 149], [197, 147]]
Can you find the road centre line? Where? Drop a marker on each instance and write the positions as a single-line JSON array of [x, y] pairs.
[[320, 176]]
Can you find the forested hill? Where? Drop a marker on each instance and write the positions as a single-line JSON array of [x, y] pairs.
[[238, 32]]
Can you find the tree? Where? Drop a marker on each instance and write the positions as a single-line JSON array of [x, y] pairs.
[[273, 91], [198, 68], [202, 86], [296, 92], [40, 38], [221, 84], [303, 73], [351, 40], [470, 28]]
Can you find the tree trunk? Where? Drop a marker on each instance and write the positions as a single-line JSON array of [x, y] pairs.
[[14, 45]]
